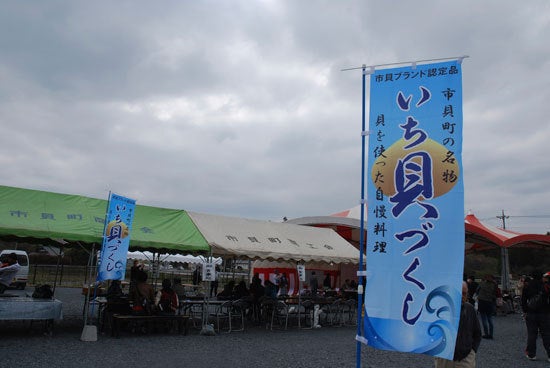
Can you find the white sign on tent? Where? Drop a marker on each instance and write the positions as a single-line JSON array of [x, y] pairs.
[[209, 271], [301, 272]]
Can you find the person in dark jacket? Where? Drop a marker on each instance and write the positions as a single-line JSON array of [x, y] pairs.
[[313, 284], [270, 289], [472, 289], [487, 292], [327, 284], [468, 337], [114, 291], [228, 291], [257, 291], [537, 319], [240, 290]]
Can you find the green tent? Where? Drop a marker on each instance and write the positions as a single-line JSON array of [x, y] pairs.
[[32, 214]]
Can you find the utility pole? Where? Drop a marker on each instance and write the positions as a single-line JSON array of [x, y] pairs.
[[505, 262]]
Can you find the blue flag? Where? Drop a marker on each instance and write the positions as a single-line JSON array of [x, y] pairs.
[[415, 226], [116, 239]]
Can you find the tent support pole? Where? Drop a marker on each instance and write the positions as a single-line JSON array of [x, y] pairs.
[[59, 256], [156, 269], [249, 270], [207, 295], [505, 262]]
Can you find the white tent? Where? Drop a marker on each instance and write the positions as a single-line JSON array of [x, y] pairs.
[[148, 256], [254, 239]]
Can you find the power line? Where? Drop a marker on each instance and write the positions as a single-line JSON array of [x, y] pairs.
[[510, 216]]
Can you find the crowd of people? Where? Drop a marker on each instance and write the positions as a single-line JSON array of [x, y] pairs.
[[478, 300], [143, 298], [533, 294], [535, 304], [480, 303]]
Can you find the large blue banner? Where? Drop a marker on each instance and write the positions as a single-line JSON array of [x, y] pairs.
[[116, 239], [415, 234]]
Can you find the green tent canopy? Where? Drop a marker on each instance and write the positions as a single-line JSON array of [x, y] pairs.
[[33, 214]]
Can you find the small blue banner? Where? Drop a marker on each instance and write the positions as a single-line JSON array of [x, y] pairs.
[[415, 224], [116, 239]]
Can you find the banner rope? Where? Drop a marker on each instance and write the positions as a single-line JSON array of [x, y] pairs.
[[370, 68]]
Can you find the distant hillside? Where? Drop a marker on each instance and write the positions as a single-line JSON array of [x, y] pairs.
[[522, 262]]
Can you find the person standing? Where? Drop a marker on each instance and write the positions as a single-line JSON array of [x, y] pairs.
[[257, 291], [8, 272], [487, 303], [472, 289], [134, 271], [197, 276], [519, 286], [270, 289], [178, 288], [468, 337], [136, 267], [214, 284], [313, 284], [327, 284], [537, 315], [283, 284]]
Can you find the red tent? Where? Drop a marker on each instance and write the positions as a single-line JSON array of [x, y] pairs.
[[478, 235]]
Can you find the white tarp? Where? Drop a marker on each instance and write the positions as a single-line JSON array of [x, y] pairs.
[[148, 256], [254, 239]]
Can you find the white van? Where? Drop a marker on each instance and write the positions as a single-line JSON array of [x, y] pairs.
[[20, 280]]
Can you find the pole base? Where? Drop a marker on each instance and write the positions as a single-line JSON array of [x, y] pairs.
[[89, 333]]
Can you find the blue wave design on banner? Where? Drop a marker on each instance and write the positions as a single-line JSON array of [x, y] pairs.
[[435, 338]]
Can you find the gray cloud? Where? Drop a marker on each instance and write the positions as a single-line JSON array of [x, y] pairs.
[[242, 109]]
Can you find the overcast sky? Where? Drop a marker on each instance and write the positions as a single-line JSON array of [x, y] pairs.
[[240, 108]]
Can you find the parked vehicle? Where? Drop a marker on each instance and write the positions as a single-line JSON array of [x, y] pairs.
[[20, 280]]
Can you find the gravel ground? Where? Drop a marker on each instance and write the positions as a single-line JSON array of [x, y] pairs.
[[22, 345]]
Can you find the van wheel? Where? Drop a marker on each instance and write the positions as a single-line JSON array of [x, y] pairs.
[[22, 286]]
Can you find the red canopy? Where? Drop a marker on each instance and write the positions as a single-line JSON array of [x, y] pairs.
[[478, 235], [481, 236]]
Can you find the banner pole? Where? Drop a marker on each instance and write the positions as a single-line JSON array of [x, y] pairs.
[[361, 239], [93, 253], [89, 332]]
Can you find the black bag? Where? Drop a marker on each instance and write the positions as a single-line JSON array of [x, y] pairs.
[[43, 292]]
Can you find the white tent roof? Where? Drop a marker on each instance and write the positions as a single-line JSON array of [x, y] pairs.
[[254, 239]]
